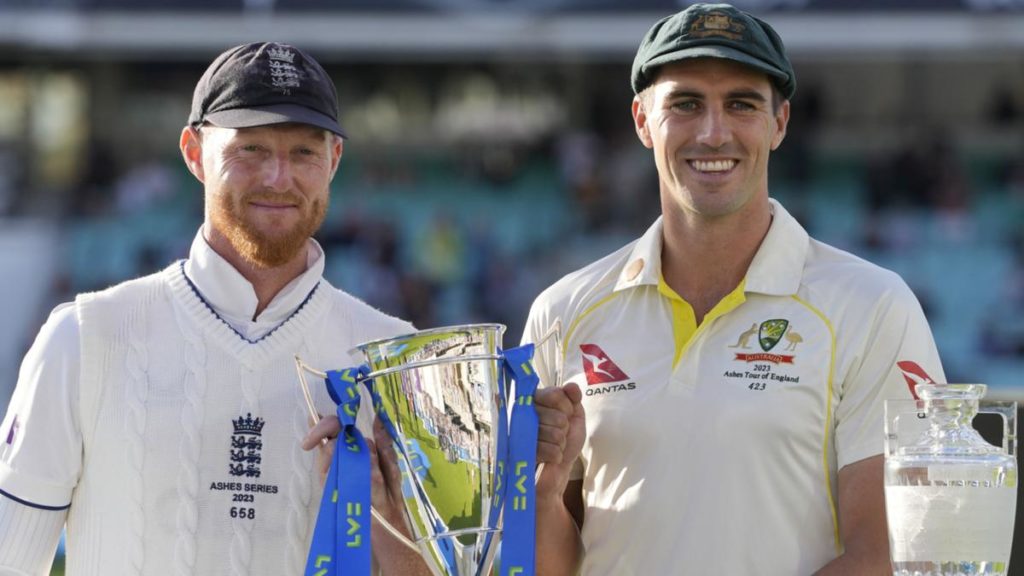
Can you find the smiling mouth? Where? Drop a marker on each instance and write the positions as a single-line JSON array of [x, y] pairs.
[[711, 166], [272, 206]]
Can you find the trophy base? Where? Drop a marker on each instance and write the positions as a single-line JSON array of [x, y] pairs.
[[973, 568]]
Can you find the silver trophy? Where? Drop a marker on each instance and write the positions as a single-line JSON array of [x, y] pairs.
[[441, 395]]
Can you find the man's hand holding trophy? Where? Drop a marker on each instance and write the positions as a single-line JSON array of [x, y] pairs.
[[447, 469]]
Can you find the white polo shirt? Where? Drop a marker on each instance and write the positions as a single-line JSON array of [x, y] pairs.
[[714, 449]]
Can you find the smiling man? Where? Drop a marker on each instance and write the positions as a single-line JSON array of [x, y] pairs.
[[723, 376], [161, 420]]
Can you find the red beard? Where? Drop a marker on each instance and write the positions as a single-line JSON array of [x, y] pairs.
[[261, 249]]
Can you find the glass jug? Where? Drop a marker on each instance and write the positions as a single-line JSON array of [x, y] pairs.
[[950, 496]]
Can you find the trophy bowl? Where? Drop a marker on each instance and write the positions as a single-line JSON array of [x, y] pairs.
[[441, 396]]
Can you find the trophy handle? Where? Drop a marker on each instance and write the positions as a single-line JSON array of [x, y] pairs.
[[301, 368], [554, 332], [1007, 410], [394, 531]]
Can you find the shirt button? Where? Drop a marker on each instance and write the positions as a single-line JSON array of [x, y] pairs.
[[634, 269]]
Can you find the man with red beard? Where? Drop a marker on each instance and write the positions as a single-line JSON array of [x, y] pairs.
[[161, 420]]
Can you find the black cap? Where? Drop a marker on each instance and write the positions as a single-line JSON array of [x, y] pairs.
[[714, 31], [265, 83]]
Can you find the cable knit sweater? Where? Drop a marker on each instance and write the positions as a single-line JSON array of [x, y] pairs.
[[191, 433]]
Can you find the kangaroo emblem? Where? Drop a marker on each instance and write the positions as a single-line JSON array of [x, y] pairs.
[[745, 337], [596, 361]]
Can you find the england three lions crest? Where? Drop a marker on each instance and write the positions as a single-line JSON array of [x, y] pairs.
[[246, 446]]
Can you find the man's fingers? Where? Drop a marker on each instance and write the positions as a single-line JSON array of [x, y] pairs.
[[549, 453], [327, 428], [554, 435], [573, 393], [555, 399], [380, 434], [378, 491], [388, 460], [566, 400], [324, 456], [375, 476], [553, 418], [323, 436], [561, 421]]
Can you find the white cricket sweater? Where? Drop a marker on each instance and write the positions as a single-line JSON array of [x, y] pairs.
[[190, 433]]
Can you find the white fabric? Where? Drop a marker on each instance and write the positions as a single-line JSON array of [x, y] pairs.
[[727, 463], [41, 463], [126, 408], [33, 535], [234, 298]]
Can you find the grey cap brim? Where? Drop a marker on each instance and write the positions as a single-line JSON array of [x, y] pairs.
[[714, 51], [274, 114]]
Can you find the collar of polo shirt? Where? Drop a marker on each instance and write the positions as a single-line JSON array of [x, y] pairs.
[[775, 270]]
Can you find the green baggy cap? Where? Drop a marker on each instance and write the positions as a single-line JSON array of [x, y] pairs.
[[714, 31]]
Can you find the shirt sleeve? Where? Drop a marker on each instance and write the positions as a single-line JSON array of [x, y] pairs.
[[41, 450], [29, 538], [895, 337]]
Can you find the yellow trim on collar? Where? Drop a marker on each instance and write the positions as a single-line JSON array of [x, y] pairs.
[[684, 321]]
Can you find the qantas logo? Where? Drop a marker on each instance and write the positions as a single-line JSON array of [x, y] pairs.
[[598, 367], [602, 374], [914, 375]]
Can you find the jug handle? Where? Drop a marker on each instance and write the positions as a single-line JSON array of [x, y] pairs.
[[1007, 410]]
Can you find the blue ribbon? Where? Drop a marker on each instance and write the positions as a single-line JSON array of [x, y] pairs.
[[518, 553], [341, 539], [501, 465]]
